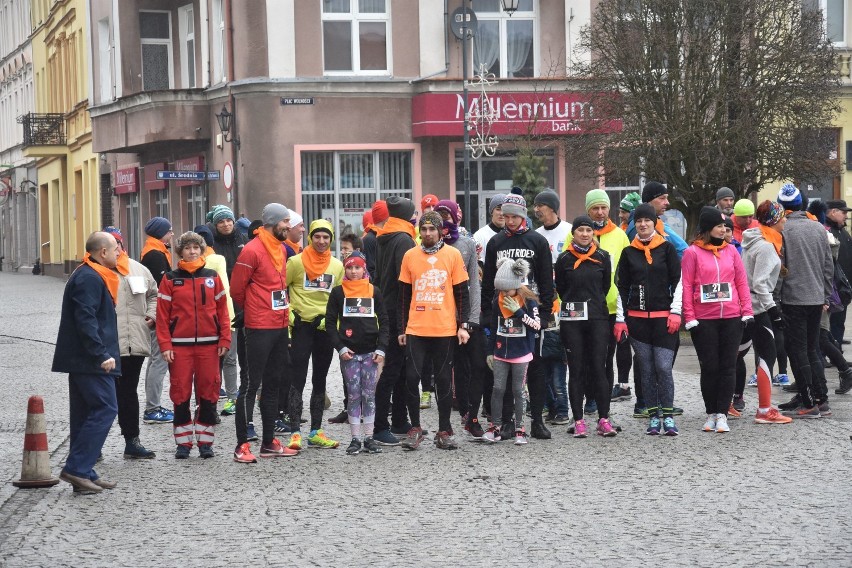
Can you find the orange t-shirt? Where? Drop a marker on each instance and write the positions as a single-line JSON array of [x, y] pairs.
[[432, 277]]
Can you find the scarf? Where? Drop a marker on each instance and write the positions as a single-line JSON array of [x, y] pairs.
[[584, 255], [156, 244], [109, 277], [315, 262], [208, 251], [123, 264], [810, 215], [523, 228], [656, 240], [273, 246], [661, 228], [773, 237], [711, 247], [609, 226], [394, 225], [191, 265], [624, 227], [506, 313], [357, 288], [450, 232], [297, 247], [433, 249]]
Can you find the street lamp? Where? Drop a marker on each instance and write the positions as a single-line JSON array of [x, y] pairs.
[[225, 120], [510, 6]]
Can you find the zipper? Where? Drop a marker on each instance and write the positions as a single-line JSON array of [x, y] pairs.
[[195, 305], [719, 281]]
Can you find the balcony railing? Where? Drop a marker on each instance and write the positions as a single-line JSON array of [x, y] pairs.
[[43, 129]]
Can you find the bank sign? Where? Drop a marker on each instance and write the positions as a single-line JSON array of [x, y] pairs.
[[515, 114]]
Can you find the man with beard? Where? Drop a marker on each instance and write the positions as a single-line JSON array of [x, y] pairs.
[[725, 200]]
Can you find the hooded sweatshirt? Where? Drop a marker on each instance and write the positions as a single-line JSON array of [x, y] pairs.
[[763, 267], [309, 297]]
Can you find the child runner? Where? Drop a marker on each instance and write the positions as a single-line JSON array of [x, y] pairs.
[[514, 310]]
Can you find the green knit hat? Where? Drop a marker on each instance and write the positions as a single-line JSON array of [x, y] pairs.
[[596, 197], [744, 208], [630, 201]]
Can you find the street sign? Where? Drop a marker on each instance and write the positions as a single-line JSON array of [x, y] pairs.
[[297, 101], [228, 176], [212, 175]]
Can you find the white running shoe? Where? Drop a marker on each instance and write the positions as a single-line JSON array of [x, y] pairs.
[[722, 424], [710, 425]]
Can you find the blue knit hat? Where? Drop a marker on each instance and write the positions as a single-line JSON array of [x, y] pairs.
[[243, 225], [205, 233], [790, 197], [158, 227], [222, 212]]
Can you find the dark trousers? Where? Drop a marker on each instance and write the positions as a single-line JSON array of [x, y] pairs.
[[620, 351], [93, 405], [763, 338], [126, 393], [801, 338], [435, 353], [470, 371], [586, 343], [830, 348], [780, 349], [745, 347], [309, 343], [243, 363], [716, 344], [266, 352], [391, 385], [837, 325]]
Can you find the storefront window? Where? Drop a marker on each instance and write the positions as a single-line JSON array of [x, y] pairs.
[[196, 206]]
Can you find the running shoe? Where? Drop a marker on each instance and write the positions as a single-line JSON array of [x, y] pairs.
[[752, 381], [243, 454], [561, 419], [222, 393], [580, 429], [640, 412], [669, 427], [733, 412], [341, 418], [182, 452], [251, 434], [538, 430], [492, 434], [591, 407], [370, 446], [158, 415], [710, 425], [620, 393], [791, 404], [295, 442], [385, 438], [445, 441], [230, 407], [738, 402], [521, 437], [474, 429], [413, 439], [318, 439], [722, 424], [275, 450], [426, 400], [653, 426], [605, 429], [206, 451], [354, 447], [790, 387], [845, 382], [507, 429], [281, 427], [771, 416], [802, 412], [781, 379], [824, 409]]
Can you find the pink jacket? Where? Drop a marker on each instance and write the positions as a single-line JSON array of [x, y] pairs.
[[701, 267]]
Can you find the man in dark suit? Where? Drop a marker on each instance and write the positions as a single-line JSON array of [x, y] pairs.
[[87, 349]]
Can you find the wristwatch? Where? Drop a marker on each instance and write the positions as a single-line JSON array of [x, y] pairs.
[[465, 326]]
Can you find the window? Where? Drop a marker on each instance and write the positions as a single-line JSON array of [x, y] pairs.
[[155, 31], [196, 205], [161, 203], [341, 186], [834, 12], [104, 61], [133, 228], [218, 23], [502, 45], [187, 46], [355, 37]]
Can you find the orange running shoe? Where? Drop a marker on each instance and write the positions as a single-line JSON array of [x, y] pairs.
[[733, 412], [243, 454], [276, 450], [771, 416]]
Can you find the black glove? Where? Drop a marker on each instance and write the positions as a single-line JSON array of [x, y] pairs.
[[775, 315], [546, 319], [239, 320]]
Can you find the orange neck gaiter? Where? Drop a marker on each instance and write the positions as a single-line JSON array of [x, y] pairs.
[[315, 262], [297, 247], [273, 246], [357, 288], [156, 244], [109, 277], [773, 237], [191, 265], [610, 226], [707, 246], [655, 241], [587, 256], [394, 225], [123, 264]]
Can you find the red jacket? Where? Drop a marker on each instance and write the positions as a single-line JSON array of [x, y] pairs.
[[253, 282], [192, 309]]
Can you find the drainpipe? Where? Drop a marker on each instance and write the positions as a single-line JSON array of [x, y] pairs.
[[235, 149]]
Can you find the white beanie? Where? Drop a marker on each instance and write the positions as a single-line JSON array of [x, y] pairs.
[[510, 273]]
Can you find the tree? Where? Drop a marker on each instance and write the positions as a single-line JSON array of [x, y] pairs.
[[529, 174], [710, 93]]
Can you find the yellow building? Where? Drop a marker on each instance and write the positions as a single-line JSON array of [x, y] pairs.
[[59, 133]]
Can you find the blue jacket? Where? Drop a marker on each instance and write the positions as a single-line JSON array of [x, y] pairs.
[[679, 244], [526, 318], [88, 328]]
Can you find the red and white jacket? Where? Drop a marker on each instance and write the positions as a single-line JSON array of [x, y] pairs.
[[192, 309]]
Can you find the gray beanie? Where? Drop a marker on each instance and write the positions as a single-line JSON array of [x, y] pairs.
[[496, 201], [547, 197], [724, 192], [514, 204], [400, 207], [274, 213], [510, 273]]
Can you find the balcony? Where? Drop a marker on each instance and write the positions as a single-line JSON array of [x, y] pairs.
[[43, 129]]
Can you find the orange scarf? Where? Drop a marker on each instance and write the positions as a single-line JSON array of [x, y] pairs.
[[624, 227], [581, 257], [660, 228], [368, 228], [810, 215], [191, 265], [273, 246], [109, 277], [773, 237], [156, 244], [610, 226], [315, 262], [297, 247], [123, 264], [506, 313], [712, 248], [357, 288], [655, 241], [394, 225], [208, 251]]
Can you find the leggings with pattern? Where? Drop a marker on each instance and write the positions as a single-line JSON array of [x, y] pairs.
[[361, 375]]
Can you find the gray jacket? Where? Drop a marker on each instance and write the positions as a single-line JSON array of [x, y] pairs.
[[807, 256], [467, 247], [762, 265], [134, 336]]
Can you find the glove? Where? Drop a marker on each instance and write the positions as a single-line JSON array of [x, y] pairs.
[[673, 323], [748, 321], [691, 325], [775, 316], [487, 331], [490, 362], [620, 331], [238, 321], [511, 304]]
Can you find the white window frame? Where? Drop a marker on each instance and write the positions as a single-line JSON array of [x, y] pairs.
[[158, 41], [104, 61], [503, 19], [186, 17], [823, 4], [217, 22], [356, 18]]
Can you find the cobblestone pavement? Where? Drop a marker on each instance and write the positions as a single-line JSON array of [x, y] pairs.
[[761, 495]]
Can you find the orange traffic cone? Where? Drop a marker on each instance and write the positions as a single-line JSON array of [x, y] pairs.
[[35, 469]]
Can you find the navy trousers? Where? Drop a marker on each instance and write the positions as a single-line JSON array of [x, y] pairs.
[[94, 407]]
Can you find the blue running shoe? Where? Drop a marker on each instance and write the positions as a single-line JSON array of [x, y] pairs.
[[669, 426], [781, 379], [158, 415], [752, 381], [281, 426], [653, 426], [251, 434]]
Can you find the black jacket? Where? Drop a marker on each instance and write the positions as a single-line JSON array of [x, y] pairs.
[[391, 248], [588, 283], [844, 253], [533, 248], [370, 249], [229, 246], [157, 263], [648, 287], [358, 334]]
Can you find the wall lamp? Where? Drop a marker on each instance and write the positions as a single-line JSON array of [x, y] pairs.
[[226, 122]]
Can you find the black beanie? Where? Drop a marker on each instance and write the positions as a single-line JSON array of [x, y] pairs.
[[582, 221], [645, 211], [652, 190], [400, 207], [709, 218]]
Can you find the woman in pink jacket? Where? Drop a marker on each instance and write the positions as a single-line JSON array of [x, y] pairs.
[[716, 309]]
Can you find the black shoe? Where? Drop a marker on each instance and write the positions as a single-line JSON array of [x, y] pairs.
[[341, 418], [354, 447], [371, 446], [401, 430], [845, 342], [792, 387], [550, 416], [828, 364], [591, 407], [845, 382], [206, 450], [182, 452], [620, 393], [386, 438], [792, 404], [539, 430], [474, 428], [738, 403], [134, 450], [507, 430]]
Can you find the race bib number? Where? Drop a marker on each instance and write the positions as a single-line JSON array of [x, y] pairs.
[[716, 292], [511, 327], [358, 308], [574, 311], [280, 300], [321, 283]]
